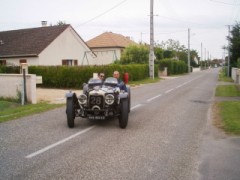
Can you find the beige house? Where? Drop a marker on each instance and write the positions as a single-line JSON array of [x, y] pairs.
[[48, 45], [108, 47]]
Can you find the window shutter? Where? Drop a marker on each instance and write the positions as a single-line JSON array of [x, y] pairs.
[[3, 62], [22, 61], [64, 62], [75, 62]]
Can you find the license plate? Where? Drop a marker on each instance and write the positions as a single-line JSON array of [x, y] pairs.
[[96, 117]]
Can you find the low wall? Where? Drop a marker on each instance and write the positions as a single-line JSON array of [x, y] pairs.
[[196, 69], [10, 84], [236, 75]]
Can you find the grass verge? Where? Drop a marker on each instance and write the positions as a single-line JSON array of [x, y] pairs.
[[222, 76], [230, 116], [144, 81], [12, 110], [227, 90]]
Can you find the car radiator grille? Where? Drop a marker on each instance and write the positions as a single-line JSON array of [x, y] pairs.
[[96, 101]]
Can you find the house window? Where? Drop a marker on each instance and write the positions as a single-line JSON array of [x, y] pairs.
[[22, 61], [69, 62], [3, 62]]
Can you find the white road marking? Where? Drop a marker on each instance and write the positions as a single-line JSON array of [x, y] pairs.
[[137, 106], [179, 86], [155, 97], [59, 142], [168, 91]]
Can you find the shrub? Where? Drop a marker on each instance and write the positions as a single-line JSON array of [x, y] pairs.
[[173, 66], [75, 76]]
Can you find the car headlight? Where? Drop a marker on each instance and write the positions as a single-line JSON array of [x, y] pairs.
[[82, 99], [109, 99]]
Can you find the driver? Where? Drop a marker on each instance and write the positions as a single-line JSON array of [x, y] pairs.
[[121, 84]]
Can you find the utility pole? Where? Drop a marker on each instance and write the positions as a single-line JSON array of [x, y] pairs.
[[151, 54], [188, 50], [201, 57], [228, 51]]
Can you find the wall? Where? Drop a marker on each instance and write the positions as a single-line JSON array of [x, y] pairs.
[[236, 75], [106, 55], [15, 61], [11, 83], [68, 45]]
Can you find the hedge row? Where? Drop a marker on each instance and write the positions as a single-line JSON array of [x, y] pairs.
[[173, 66], [75, 76]]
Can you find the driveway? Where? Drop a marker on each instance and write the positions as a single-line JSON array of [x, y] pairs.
[[54, 96]]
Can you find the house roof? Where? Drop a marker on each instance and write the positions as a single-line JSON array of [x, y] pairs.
[[109, 39], [28, 42]]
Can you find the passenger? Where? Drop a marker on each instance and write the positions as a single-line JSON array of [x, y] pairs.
[[121, 84], [101, 76]]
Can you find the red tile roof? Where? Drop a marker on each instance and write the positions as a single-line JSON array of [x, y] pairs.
[[109, 39], [28, 42]]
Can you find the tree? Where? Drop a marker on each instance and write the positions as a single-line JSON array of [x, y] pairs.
[[158, 53], [59, 23], [135, 54], [235, 44]]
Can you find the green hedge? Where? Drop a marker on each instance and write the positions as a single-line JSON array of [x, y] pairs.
[[9, 69], [75, 76], [173, 66]]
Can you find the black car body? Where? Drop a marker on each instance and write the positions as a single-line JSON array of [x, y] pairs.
[[99, 101]]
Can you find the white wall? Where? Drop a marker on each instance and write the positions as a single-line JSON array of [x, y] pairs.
[[236, 75], [67, 45], [15, 61], [107, 55], [10, 84]]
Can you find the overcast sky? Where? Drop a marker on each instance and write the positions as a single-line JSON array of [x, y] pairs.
[[207, 19]]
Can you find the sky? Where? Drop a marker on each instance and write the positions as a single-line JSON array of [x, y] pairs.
[[206, 19]]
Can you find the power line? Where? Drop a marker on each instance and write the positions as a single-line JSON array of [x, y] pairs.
[[105, 12]]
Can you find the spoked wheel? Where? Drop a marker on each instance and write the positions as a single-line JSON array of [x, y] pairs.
[[123, 117], [70, 112]]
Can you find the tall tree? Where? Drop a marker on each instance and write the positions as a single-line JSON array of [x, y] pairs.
[[235, 44]]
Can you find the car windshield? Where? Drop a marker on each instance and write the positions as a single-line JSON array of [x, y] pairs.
[[94, 81], [111, 80]]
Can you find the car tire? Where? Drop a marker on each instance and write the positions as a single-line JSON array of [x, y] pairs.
[[129, 99], [123, 117], [70, 112]]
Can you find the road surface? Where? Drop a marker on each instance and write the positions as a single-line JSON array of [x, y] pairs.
[[167, 138]]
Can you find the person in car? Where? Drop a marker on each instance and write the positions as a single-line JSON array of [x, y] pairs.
[[101, 76], [121, 84]]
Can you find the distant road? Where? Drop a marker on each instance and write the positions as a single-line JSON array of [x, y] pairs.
[[163, 139]]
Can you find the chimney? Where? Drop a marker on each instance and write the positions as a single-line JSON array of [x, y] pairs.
[[44, 23]]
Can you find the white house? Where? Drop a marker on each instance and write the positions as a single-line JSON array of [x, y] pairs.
[[48, 45], [108, 47]]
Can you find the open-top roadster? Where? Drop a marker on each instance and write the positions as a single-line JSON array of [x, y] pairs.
[[99, 101]]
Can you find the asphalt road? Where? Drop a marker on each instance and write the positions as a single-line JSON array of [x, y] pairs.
[[166, 138]]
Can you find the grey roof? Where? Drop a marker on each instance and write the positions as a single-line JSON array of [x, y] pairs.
[[28, 42]]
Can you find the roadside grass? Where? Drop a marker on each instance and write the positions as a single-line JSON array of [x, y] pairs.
[[144, 81], [222, 76], [227, 90], [229, 112], [12, 110]]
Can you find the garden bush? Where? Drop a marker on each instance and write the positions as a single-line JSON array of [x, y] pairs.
[[173, 66]]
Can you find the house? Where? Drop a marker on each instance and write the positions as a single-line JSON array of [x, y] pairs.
[[108, 47], [46, 45]]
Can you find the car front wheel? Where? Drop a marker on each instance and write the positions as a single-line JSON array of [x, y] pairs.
[[70, 112], [123, 117]]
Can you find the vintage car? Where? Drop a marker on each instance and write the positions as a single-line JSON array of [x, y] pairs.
[[99, 101]]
